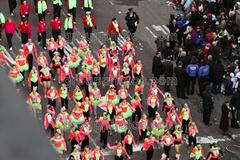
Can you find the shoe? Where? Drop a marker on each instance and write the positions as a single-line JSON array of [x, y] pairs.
[[39, 42], [10, 48], [188, 150], [21, 45], [209, 124], [45, 48], [12, 14], [138, 142], [75, 23], [54, 80], [174, 7], [185, 98]]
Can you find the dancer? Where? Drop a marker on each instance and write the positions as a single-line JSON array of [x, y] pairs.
[[138, 89], [149, 145], [198, 152], [52, 95], [158, 127], [114, 60], [103, 49], [56, 63], [48, 121], [63, 121], [88, 61], [167, 140], [142, 128], [76, 154], [61, 44], [56, 25], [66, 73], [78, 95], [113, 48], [126, 108], [137, 107], [41, 60], [119, 149], [125, 75], [83, 47], [52, 47], [155, 89], [29, 49], [137, 70], [74, 137], [111, 94], [214, 151], [192, 135], [64, 96], [57, 5], [84, 79], [172, 120], [58, 142], [45, 73], [122, 92], [34, 101], [114, 75], [34, 78], [40, 8], [77, 117], [85, 134], [153, 104], [87, 108], [2, 57], [130, 61], [168, 104], [129, 140], [86, 155], [15, 75], [95, 98], [74, 60], [97, 154], [127, 47], [24, 10], [185, 118], [103, 61], [105, 127], [177, 136], [95, 70], [22, 63]]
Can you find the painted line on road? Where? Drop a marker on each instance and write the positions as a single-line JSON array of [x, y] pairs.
[[154, 36], [160, 29], [166, 28], [8, 57], [111, 3]]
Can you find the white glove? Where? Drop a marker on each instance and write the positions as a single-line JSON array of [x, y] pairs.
[[91, 7], [81, 7], [23, 16], [40, 34]]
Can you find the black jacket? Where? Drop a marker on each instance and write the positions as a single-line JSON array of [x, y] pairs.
[[180, 74], [186, 61], [217, 73], [166, 52], [235, 100], [189, 45], [157, 66], [177, 58], [173, 28], [224, 122], [214, 51], [131, 20], [207, 100], [167, 68]]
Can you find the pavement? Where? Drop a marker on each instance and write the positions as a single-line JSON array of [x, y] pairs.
[[154, 15]]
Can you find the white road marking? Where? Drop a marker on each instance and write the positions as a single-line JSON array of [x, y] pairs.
[[151, 32], [100, 42], [160, 29], [111, 3], [8, 57], [166, 28]]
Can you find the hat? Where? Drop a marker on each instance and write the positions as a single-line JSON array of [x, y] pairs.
[[166, 131], [63, 109], [29, 39], [86, 98], [34, 88], [98, 147], [205, 17], [63, 85], [78, 104], [198, 27], [209, 15], [213, 141], [164, 155], [88, 12], [120, 143], [52, 87], [208, 88], [178, 15], [58, 131], [130, 9], [199, 145], [236, 61]]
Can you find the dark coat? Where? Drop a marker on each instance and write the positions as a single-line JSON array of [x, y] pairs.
[[235, 100], [217, 73], [214, 51], [210, 64], [157, 66], [207, 100], [186, 61], [131, 20], [189, 45], [173, 28], [180, 74], [166, 52], [167, 68], [224, 122]]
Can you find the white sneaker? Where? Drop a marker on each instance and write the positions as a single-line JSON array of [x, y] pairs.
[[45, 48], [21, 45], [10, 48], [39, 42], [237, 121], [75, 23], [12, 14]]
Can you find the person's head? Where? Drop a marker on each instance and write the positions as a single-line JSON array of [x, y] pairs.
[[86, 99], [74, 49], [34, 90], [130, 10], [190, 28], [210, 57], [9, 20], [44, 66], [52, 88], [167, 132], [97, 148], [94, 85], [184, 53], [152, 93], [24, 2], [185, 105], [59, 37], [168, 58], [105, 115], [29, 40], [111, 87], [219, 62], [139, 61], [88, 12], [215, 145], [158, 53], [21, 51], [167, 43], [178, 127], [157, 115], [214, 35], [119, 144], [226, 103], [51, 39], [199, 28], [25, 20], [114, 20], [129, 132], [193, 9], [109, 101], [14, 64], [124, 99], [65, 63], [34, 68], [78, 105], [76, 148], [174, 21], [180, 63], [198, 145], [64, 86], [208, 88], [173, 111], [103, 46], [144, 116], [180, 48], [128, 39], [58, 132], [55, 16], [86, 149], [86, 122]]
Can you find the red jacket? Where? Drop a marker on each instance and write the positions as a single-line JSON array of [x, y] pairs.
[[7, 25], [46, 123], [84, 21], [26, 51], [36, 8], [23, 9], [59, 24], [82, 4], [104, 122], [40, 28], [111, 28], [83, 135], [74, 135], [23, 27], [72, 23], [149, 142]]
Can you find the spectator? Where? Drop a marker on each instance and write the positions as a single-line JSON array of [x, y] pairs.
[[208, 36], [173, 28], [235, 102], [178, 54], [217, 73], [157, 65], [185, 59], [207, 105], [228, 88], [167, 51], [168, 72], [192, 71], [189, 44], [225, 122], [214, 50], [199, 36], [216, 38], [132, 22], [192, 32], [202, 76]]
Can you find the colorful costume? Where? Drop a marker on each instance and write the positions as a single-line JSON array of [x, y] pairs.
[[120, 125], [158, 127], [74, 60], [172, 120], [66, 72], [142, 128], [74, 137], [58, 143], [152, 102], [15, 75], [97, 155], [111, 108], [126, 108], [83, 48], [87, 155], [95, 99], [76, 116], [78, 95], [85, 135], [168, 103], [118, 151], [88, 61], [34, 100], [111, 94], [52, 95], [112, 61], [127, 47], [63, 121], [2, 58], [22, 63], [122, 93], [105, 127], [198, 153]]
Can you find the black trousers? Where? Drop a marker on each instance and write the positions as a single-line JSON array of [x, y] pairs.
[[22, 74], [180, 36], [86, 114], [206, 115], [30, 60], [167, 84], [201, 80], [129, 149], [88, 32], [114, 37], [43, 38], [64, 101], [43, 15], [132, 30], [115, 83], [84, 85], [50, 130], [156, 76], [73, 13], [217, 87], [143, 135], [57, 10], [103, 138], [33, 84], [61, 51], [191, 80], [50, 52], [118, 158], [52, 103], [172, 44], [73, 142], [167, 150], [39, 68], [180, 88], [55, 34], [68, 35], [102, 71], [191, 140], [149, 153], [9, 39], [35, 2], [24, 37], [185, 126], [12, 5], [138, 113], [85, 142], [87, 9], [1, 31], [95, 78], [151, 112], [26, 16]]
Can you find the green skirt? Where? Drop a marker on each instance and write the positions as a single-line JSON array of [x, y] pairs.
[[115, 101], [82, 53], [75, 121], [122, 129], [60, 149], [35, 105], [24, 68], [18, 79], [95, 102], [61, 126], [159, 132], [128, 113], [76, 64]]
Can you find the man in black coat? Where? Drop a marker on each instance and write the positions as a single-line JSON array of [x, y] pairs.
[[207, 105], [178, 54], [185, 59], [168, 72], [167, 51], [235, 102], [214, 51], [157, 65], [181, 76], [225, 122], [173, 28], [189, 44], [132, 21], [217, 73]]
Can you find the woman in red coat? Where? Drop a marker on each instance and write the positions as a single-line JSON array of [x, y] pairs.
[[88, 22], [24, 10], [56, 25], [114, 29], [25, 30]]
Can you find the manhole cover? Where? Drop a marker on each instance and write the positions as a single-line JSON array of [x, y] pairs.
[[233, 149]]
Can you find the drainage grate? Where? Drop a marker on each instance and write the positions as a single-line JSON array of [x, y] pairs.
[[233, 149]]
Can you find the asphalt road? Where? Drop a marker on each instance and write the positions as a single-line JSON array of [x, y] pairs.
[[152, 14]]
